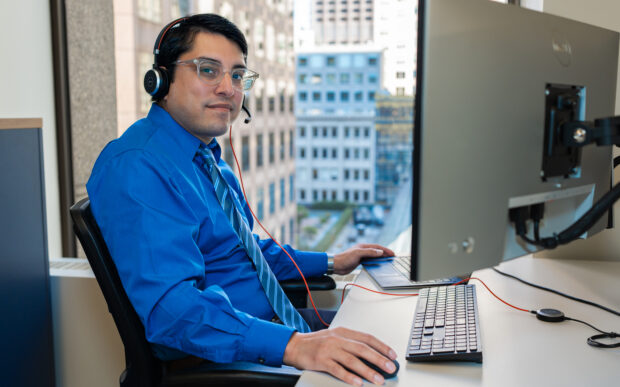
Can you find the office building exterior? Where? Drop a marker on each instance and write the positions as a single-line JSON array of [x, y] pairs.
[[348, 22], [264, 147], [394, 145], [335, 138]]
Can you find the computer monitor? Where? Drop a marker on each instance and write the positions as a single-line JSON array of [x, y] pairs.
[[488, 76]]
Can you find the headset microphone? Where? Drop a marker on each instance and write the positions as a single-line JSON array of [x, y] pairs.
[[247, 111]]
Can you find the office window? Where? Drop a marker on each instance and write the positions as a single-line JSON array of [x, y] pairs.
[[371, 95], [291, 231], [372, 61], [315, 153], [259, 102], [372, 78], [324, 153], [302, 131], [282, 145], [282, 104], [291, 146], [347, 131], [324, 194], [366, 196], [272, 104], [356, 175], [291, 103], [315, 174], [316, 79], [302, 153], [330, 61], [344, 96], [291, 190], [346, 174], [334, 195], [272, 148], [260, 203], [346, 153], [356, 131], [334, 153], [366, 153], [400, 74], [346, 195], [400, 91], [282, 193], [344, 78], [303, 78], [315, 132], [329, 78], [316, 95], [245, 153], [259, 150], [356, 196], [324, 131], [359, 78], [272, 198], [315, 195], [303, 96], [334, 131], [302, 61], [356, 153], [367, 132], [330, 96], [359, 96], [229, 157], [366, 174], [302, 194]]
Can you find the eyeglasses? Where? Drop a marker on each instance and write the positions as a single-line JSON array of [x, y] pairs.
[[212, 73]]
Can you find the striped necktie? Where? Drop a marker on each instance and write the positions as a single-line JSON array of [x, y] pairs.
[[278, 300]]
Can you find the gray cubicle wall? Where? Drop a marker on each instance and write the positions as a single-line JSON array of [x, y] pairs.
[[27, 356]]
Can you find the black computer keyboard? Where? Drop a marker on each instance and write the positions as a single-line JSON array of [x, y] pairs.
[[445, 325]]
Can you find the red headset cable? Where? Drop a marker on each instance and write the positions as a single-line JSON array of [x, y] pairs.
[[349, 284], [267, 232]]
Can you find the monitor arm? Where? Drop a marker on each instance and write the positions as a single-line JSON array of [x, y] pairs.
[[602, 132]]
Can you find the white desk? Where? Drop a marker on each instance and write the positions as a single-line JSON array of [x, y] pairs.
[[518, 349]]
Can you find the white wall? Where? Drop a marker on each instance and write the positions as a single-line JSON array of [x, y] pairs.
[[27, 89], [603, 13]]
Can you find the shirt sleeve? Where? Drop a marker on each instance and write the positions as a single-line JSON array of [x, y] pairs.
[[150, 231]]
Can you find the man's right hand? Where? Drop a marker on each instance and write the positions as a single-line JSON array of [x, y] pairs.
[[330, 350]]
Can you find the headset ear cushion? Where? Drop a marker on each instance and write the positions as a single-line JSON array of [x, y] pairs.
[[156, 82]]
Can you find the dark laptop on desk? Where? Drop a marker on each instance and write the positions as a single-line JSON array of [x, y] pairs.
[[393, 273]]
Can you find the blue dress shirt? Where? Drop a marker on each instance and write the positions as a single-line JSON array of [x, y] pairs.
[[181, 263]]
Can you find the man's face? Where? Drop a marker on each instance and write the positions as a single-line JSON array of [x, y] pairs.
[[206, 111]]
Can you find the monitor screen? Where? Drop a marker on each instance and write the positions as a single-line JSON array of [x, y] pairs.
[[491, 81]]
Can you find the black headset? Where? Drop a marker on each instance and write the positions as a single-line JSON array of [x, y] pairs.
[[157, 80]]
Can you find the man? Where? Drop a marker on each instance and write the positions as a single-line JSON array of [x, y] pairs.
[[182, 259]]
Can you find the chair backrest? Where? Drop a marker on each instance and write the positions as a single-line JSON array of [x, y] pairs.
[[142, 368]]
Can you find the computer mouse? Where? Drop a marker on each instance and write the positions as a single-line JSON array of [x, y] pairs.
[[386, 375]]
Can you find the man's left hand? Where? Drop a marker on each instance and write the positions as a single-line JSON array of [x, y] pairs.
[[349, 259]]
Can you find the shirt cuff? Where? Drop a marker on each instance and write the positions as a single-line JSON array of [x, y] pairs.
[[265, 342], [313, 264]]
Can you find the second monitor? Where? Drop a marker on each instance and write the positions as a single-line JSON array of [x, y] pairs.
[[483, 144]]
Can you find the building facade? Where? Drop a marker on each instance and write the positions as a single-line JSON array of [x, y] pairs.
[[335, 138], [264, 147], [394, 145], [342, 21]]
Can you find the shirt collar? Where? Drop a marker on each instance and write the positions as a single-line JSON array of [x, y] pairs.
[[188, 143]]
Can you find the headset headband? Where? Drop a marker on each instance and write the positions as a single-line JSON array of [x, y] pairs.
[[162, 34]]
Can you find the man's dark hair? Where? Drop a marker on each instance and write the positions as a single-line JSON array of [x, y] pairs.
[[180, 39]]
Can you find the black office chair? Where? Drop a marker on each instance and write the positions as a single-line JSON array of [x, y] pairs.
[[143, 369]]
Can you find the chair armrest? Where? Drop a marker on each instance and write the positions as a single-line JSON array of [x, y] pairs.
[[233, 374], [323, 282]]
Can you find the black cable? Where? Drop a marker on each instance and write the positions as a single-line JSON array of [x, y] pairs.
[[592, 340], [606, 309]]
